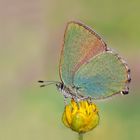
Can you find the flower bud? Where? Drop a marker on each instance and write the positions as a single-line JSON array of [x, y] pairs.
[[80, 117]]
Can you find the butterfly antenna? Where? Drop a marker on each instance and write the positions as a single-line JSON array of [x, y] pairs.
[[46, 83]]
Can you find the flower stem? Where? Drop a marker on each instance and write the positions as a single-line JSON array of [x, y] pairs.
[[80, 136]]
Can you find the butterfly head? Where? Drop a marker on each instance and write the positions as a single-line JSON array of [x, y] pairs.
[[60, 86]]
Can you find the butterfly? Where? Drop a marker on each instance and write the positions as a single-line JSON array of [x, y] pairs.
[[88, 68]]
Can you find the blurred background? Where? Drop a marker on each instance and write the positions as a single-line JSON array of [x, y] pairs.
[[31, 36]]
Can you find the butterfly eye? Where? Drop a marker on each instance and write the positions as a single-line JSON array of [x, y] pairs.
[[61, 86]]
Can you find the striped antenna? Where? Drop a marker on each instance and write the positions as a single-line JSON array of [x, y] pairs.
[[46, 83]]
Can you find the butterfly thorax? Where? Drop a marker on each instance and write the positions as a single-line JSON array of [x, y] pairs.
[[69, 92]]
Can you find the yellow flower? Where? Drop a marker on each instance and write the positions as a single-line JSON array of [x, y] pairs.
[[80, 117]]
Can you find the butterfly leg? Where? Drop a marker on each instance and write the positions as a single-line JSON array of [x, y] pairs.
[[65, 100], [84, 98], [89, 99]]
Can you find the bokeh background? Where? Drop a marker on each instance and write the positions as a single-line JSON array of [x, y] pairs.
[[31, 36]]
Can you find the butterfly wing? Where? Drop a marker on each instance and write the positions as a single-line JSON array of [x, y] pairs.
[[104, 75], [80, 44]]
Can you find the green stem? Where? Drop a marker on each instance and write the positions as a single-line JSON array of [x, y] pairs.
[[80, 136]]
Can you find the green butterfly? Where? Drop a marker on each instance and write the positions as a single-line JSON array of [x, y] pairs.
[[88, 68]]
